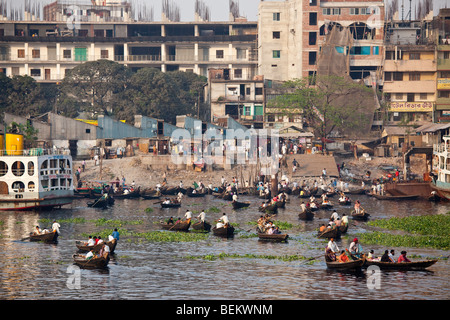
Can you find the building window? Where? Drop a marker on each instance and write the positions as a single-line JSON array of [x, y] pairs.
[[354, 11], [398, 96], [35, 72], [313, 18], [312, 38], [258, 91], [313, 3], [376, 51], [336, 11], [414, 56], [312, 58], [446, 54], [326, 11], [67, 54], [36, 53], [219, 54], [397, 76], [20, 53], [414, 76], [238, 73], [424, 96], [276, 35], [276, 16], [410, 97], [443, 94], [88, 130], [276, 54], [104, 54]]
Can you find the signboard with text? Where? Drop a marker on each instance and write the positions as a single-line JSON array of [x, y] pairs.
[[411, 107], [443, 83]]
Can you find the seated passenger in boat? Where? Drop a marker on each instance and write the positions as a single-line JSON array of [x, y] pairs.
[[270, 230], [90, 254], [385, 257], [322, 228], [343, 257], [330, 255], [403, 258], [37, 231], [170, 221], [338, 222], [371, 256], [167, 201], [90, 241], [276, 230]]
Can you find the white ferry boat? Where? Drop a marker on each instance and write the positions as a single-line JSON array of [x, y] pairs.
[[441, 168], [35, 178]]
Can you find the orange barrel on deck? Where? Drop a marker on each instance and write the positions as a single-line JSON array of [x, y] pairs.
[[14, 144]]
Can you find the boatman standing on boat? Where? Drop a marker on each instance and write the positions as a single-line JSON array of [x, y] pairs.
[[201, 216], [224, 220], [188, 216], [355, 248], [55, 227]]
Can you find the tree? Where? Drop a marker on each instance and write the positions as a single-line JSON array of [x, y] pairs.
[[328, 103], [94, 83]]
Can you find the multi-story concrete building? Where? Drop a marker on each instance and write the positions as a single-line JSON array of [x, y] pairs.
[[45, 50], [442, 26], [237, 97], [291, 35], [410, 72]]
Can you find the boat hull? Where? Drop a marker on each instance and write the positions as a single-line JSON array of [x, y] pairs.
[[30, 204]]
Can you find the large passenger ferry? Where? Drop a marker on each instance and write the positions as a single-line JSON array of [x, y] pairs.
[[34, 178], [441, 168]]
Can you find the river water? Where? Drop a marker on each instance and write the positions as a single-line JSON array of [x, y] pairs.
[[147, 270]]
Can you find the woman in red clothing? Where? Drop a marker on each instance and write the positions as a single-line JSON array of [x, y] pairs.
[[403, 257]]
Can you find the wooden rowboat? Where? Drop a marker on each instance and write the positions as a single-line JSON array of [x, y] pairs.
[[413, 265], [271, 209], [343, 229], [94, 263], [330, 233], [361, 216], [181, 226], [171, 205], [224, 231], [351, 265], [82, 247], [273, 237], [202, 226], [50, 237], [399, 197], [306, 215], [239, 205]]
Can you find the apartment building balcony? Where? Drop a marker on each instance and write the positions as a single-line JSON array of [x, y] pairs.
[[410, 65]]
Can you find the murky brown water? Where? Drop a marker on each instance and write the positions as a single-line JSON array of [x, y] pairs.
[[144, 270]]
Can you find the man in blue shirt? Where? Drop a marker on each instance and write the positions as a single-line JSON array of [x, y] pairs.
[[115, 234]]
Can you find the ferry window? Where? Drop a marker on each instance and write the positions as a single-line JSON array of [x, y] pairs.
[[53, 163], [62, 183], [31, 186], [18, 186], [18, 168], [44, 165], [54, 183], [3, 168], [31, 168], [44, 184]]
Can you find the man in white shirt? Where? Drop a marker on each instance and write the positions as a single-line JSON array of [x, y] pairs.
[[188, 215], [344, 219], [56, 226], [334, 215], [201, 216], [91, 241], [90, 255], [224, 219], [333, 246]]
